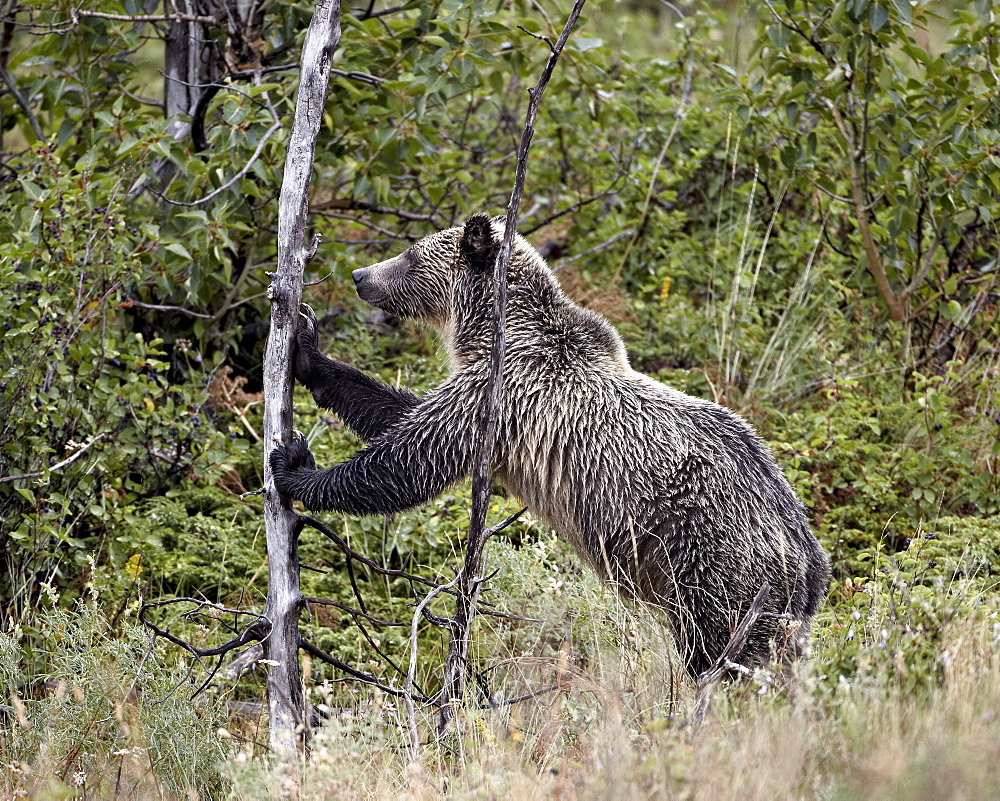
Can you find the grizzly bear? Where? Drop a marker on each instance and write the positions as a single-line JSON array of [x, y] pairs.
[[671, 498]]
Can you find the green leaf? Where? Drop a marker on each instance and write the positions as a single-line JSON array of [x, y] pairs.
[[32, 190], [878, 17], [583, 44], [951, 310], [180, 250]]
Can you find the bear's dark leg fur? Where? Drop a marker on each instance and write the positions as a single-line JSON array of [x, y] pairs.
[[365, 404], [431, 447]]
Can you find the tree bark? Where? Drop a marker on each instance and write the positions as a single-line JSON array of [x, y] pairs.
[[288, 720], [185, 68]]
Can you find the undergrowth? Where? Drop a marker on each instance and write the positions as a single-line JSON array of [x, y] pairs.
[[897, 700]]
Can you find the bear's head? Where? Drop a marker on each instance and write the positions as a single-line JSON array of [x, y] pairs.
[[424, 281]]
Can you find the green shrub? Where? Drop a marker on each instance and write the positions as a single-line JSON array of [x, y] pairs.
[[100, 714]]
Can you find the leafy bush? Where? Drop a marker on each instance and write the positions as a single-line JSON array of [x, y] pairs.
[[91, 421], [97, 713]]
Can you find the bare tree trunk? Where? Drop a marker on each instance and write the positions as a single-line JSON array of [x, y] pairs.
[[182, 70], [284, 599], [187, 66]]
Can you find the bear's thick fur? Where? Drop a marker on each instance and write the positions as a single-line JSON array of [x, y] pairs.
[[672, 498]]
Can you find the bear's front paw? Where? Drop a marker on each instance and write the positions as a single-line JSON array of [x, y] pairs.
[[289, 463], [307, 344]]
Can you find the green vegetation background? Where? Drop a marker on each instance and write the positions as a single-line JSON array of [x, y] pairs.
[[694, 179]]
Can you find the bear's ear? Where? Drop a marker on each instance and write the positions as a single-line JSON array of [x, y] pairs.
[[479, 247]]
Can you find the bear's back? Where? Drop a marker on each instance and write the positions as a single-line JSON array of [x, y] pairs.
[[613, 459]]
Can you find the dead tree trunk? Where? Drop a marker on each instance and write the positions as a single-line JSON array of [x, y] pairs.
[[284, 600], [471, 581], [187, 68]]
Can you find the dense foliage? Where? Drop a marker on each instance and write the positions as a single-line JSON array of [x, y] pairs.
[[808, 234]]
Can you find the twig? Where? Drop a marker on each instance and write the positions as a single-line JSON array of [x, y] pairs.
[[76, 13], [349, 204], [175, 17], [19, 98], [377, 228], [469, 581], [352, 554], [246, 168], [507, 521], [794, 27], [539, 37], [825, 191], [258, 630], [383, 13], [320, 281], [59, 466], [350, 610], [354, 673], [576, 206], [158, 307], [596, 249], [361, 77], [925, 267], [411, 713], [526, 697]]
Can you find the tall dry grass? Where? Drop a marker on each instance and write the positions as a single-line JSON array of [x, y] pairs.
[[900, 700]]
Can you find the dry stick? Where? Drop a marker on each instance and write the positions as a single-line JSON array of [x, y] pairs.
[[284, 599], [243, 171], [64, 463], [176, 17], [354, 556], [365, 678], [725, 664], [470, 581], [411, 712], [256, 631]]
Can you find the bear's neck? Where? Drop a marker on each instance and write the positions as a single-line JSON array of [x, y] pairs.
[[542, 323]]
